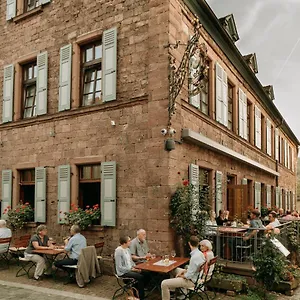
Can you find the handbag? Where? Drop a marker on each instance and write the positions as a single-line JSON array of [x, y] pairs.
[[131, 294]]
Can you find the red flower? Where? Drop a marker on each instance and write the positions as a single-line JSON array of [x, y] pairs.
[[87, 206], [8, 206], [70, 210], [185, 182], [72, 204], [76, 209], [27, 203]]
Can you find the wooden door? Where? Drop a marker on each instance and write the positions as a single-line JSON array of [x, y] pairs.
[[237, 201]]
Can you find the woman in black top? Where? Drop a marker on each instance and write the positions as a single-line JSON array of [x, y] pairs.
[[39, 241]]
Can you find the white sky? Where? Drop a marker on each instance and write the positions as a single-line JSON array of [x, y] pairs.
[[270, 28]]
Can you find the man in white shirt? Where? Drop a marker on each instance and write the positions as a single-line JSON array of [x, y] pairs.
[[273, 220], [4, 233]]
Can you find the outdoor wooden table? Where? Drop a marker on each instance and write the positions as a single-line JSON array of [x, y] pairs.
[[230, 232]]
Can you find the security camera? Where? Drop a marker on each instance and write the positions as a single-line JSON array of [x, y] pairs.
[[164, 131], [172, 131]]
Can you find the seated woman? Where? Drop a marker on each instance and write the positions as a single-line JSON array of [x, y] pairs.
[[125, 267], [38, 241], [206, 249]]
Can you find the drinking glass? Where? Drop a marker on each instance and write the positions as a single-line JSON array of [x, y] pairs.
[[167, 260], [153, 256], [173, 253]]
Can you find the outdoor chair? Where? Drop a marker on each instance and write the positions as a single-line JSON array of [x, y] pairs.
[[25, 266], [99, 249], [4, 250], [19, 246], [125, 284], [201, 282]]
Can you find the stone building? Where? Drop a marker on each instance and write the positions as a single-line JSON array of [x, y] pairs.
[[86, 99]]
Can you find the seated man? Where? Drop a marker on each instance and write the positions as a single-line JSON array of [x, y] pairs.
[[125, 267], [4, 233], [139, 247], [73, 245], [273, 220], [185, 278]]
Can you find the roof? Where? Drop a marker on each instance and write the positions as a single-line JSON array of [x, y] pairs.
[[215, 29]]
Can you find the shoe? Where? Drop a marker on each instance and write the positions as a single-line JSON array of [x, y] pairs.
[[47, 275], [37, 278]]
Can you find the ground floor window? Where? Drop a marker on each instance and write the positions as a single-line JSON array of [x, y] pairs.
[[27, 187], [204, 184], [89, 186]]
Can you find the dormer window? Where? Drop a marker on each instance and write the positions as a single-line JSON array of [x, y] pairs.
[[228, 24], [252, 62], [269, 91]]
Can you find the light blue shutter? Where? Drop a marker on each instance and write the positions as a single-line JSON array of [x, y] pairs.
[[286, 200], [8, 94], [44, 1], [269, 138], [219, 93], [194, 180], [257, 127], [269, 196], [65, 76], [277, 201], [6, 191], [11, 6], [257, 195], [280, 198], [225, 100], [40, 195], [108, 193], [276, 144], [109, 65], [64, 192], [42, 83], [241, 114], [219, 190], [244, 181]]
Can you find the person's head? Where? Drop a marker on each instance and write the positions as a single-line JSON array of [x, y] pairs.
[[288, 212], [2, 223], [254, 214], [74, 229], [221, 213], [280, 211], [194, 242], [141, 234], [41, 230], [272, 216], [212, 215], [125, 241], [205, 245]]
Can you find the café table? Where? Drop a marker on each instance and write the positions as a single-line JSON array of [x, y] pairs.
[[157, 265]]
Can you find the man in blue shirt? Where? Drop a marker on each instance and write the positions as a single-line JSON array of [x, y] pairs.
[[73, 246], [185, 278]]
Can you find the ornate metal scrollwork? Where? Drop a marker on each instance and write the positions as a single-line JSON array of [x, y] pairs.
[[195, 59]]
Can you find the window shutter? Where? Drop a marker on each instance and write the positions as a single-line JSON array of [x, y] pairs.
[[269, 138], [292, 159], [277, 201], [245, 118], [244, 181], [108, 193], [258, 195], [285, 153], [219, 190], [242, 114], [44, 1], [286, 200], [219, 93], [280, 198], [276, 144], [6, 191], [194, 99], [10, 9], [65, 76], [269, 196], [42, 83], [64, 193], [194, 180], [8, 94], [225, 99], [40, 195], [109, 80], [293, 200], [257, 127], [288, 156]]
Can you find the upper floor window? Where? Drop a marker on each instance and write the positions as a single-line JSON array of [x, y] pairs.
[[243, 115], [258, 126], [30, 4], [29, 90], [249, 120], [91, 71], [230, 105]]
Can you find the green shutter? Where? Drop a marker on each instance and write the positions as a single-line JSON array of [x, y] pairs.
[[257, 195], [6, 191], [8, 94], [42, 83], [108, 193], [11, 6], [269, 196], [194, 180], [219, 190], [64, 192], [219, 93], [65, 76], [109, 66], [40, 195], [277, 202], [244, 181]]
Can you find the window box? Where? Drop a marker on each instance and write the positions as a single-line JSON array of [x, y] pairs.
[[30, 225]]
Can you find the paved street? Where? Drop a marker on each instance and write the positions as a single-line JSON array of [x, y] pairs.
[[12, 290]]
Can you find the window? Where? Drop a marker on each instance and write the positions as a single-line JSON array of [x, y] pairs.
[[89, 185], [30, 4], [248, 120], [29, 90], [27, 187], [243, 114], [91, 73], [258, 126], [204, 185], [230, 105]]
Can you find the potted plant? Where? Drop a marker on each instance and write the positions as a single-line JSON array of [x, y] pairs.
[[17, 217], [82, 217]]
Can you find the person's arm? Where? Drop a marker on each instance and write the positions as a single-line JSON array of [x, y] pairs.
[[68, 244], [36, 246], [133, 251]]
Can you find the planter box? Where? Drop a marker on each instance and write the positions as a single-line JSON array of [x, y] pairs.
[[286, 287], [226, 284]]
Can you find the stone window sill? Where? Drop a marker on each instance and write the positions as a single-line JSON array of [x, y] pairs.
[[95, 228], [28, 14], [30, 225]]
